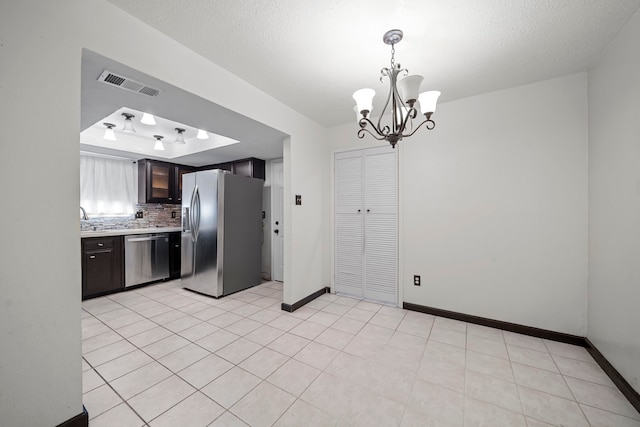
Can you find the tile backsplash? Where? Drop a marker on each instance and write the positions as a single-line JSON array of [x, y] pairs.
[[153, 215]]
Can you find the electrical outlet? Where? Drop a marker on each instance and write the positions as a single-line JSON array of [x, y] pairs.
[[139, 214], [416, 280], [173, 214]]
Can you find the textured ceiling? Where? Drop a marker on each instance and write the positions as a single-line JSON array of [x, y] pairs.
[[312, 55]]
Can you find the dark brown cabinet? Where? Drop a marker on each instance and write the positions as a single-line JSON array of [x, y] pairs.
[[175, 255], [179, 171], [102, 270], [160, 182], [251, 167]]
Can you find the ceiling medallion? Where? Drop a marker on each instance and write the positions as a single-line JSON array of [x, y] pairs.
[[402, 97]]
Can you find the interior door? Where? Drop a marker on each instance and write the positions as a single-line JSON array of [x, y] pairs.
[[349, 232], [381, 225], [277, 216]]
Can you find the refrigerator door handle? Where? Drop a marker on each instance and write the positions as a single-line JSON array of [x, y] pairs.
[[196, 211], [191, 213]]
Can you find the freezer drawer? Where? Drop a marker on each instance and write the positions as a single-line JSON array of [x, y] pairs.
[[146, 258]]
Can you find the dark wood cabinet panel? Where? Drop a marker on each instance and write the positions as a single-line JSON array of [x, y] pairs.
[[175, 254], [179, 171], [156, 182], [251, 167], [160, 182], [102, 270]]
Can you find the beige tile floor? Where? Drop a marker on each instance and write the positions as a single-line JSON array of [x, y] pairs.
[[164, 356]]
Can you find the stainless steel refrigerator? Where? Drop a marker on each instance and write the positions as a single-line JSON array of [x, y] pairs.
[[221, 232]]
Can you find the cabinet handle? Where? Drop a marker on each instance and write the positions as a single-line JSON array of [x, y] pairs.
[[177, 246], [92, 257], [100, 245], [358, 210]]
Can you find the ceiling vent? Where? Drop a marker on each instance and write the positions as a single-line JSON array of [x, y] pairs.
[[126, 83]]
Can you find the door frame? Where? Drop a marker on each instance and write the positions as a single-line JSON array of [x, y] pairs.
[[272, 215]]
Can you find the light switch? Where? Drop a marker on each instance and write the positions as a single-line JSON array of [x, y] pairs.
[[298, 199]]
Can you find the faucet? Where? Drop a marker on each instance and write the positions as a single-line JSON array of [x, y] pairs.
[[84, 213]]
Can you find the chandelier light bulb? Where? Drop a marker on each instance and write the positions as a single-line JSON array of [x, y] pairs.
[[202, 134], [109, 134], [158, 145], [428, 101], [148, 119], [364, 99]]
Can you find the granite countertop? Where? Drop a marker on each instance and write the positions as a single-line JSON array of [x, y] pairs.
[[126, 231]]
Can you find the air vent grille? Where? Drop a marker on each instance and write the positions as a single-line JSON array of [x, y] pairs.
[[127, 83]]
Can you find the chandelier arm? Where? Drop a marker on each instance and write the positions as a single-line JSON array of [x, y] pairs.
[[430, 125], [361, 134], [363, 125], [386, 104], [411, 114]]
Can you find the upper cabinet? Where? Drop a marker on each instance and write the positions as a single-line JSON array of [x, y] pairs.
[[251, 167], [160, 182]]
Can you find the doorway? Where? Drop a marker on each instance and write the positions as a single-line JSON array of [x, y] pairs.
[[277, 217]]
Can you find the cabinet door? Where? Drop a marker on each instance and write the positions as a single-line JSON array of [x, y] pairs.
[[156, 182], [102, 270], [179, 171], [97, 271], [160, 181]]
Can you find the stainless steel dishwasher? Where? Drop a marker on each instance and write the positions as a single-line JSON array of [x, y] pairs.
[[146, 258]]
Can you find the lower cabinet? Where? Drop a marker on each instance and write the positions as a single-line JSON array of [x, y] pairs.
[[175, 255], [102, 265]]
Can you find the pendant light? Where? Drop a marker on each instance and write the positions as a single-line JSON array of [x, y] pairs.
[[109, 134], [128, 124], [202, 134], [180, 137], [158, 146], [148, 119], [401, 102]]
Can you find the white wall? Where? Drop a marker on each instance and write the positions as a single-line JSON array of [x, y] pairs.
[[40, 56], [493, 206], [614, 203]]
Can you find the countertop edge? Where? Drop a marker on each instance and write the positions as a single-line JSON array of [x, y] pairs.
[[125, 232]]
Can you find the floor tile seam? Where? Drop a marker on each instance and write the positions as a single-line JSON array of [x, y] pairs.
[[608, 411], [112, 359], [553, 395], [125, 401], [513, 375], [288, 407], [182, 369], [176, 404], [503, 408]]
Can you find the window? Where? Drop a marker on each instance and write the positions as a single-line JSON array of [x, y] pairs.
[[108, 186]]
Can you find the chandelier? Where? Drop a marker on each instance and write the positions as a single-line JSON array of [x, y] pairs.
[[401, 100]]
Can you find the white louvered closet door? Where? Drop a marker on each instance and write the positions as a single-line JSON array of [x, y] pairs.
[[381, 225], [348, 223], [367, 224]]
